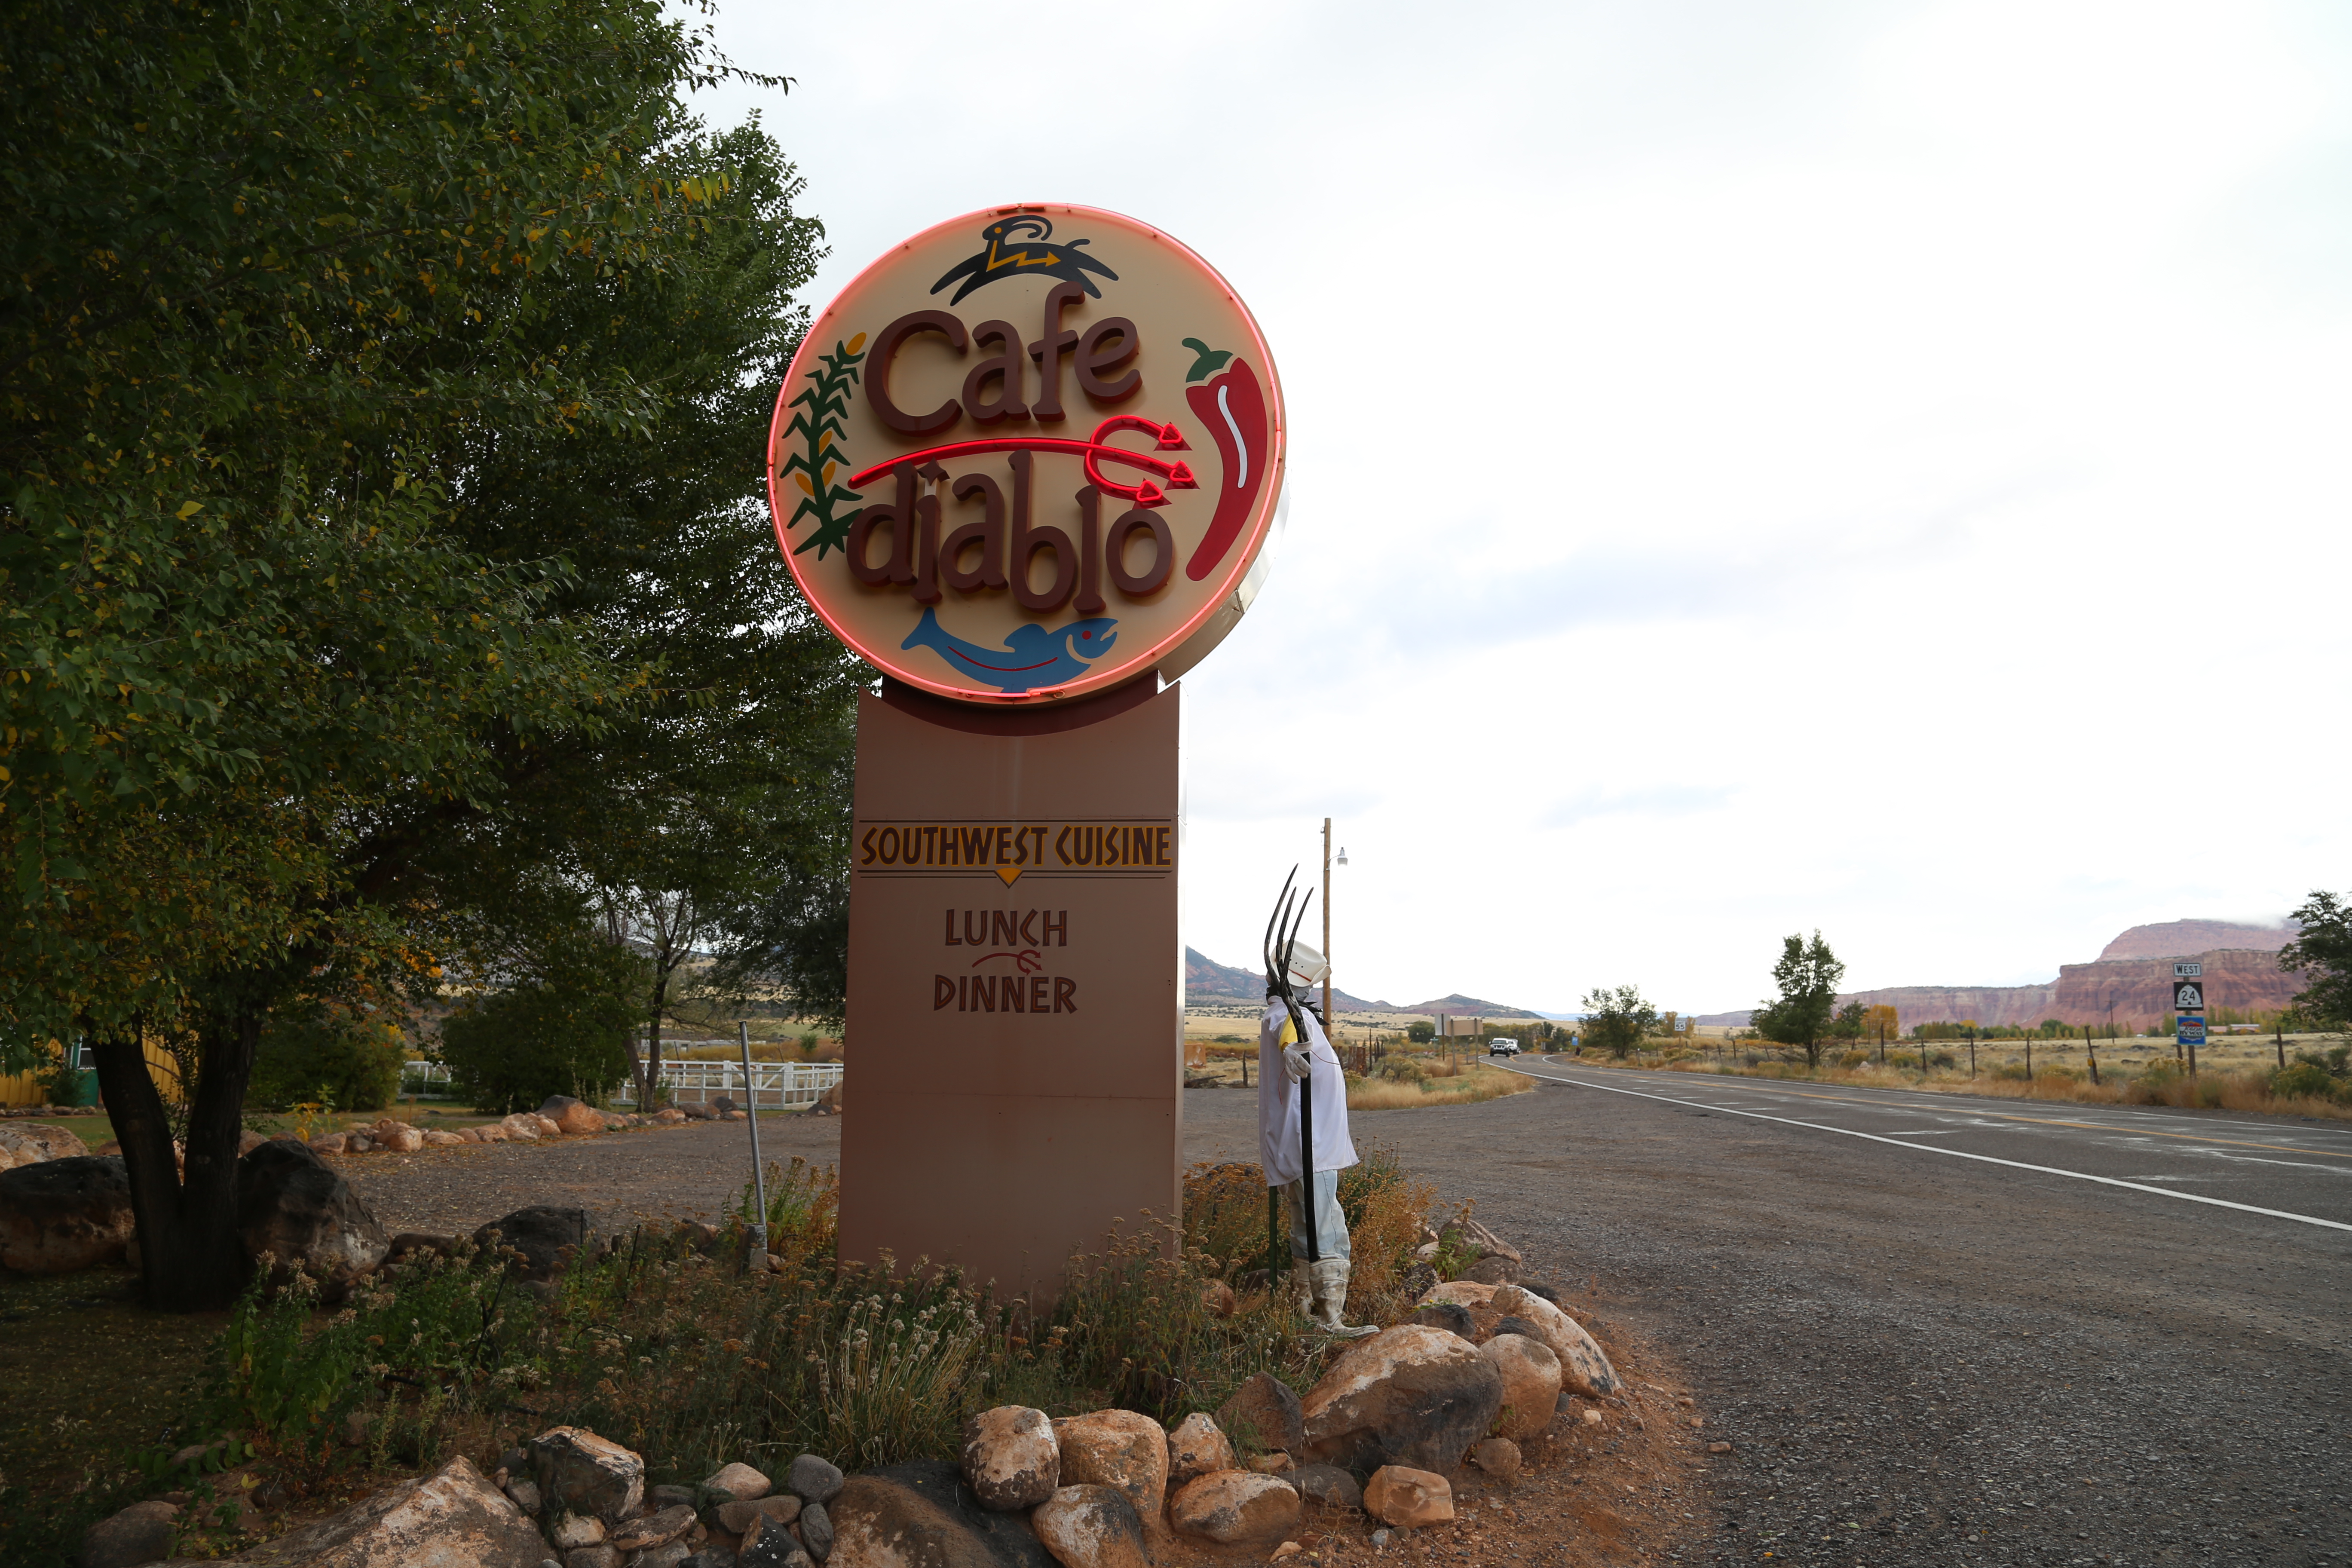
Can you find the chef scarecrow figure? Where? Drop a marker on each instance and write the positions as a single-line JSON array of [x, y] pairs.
[[1302, 1121]]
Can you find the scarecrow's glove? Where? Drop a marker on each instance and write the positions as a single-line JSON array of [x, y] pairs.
[[1298, 1061]]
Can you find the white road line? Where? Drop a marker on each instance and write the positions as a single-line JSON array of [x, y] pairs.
[[2140, 1115], [1954, 1153]]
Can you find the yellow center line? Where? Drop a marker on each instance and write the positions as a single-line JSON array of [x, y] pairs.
[[2056, 1121]]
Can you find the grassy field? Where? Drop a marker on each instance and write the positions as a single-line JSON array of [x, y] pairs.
[[2233, 1073]]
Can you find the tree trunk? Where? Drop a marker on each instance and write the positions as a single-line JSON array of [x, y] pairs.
[[649, 1090], [190, 1259]]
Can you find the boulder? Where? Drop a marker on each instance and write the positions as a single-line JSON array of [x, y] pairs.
[[667, 1116], [572, 1530], [1451, 1316], [573, 1118], [1218, 1298], [1411, 1498], [330, 1143], [398, 1136], [35, 1143], [1264, 1413], [674, 1554], [524, 1495], [1328, 1486], [522, 1126], [829, 1102], [247, 1141], [604, 1554], [140, 1534], [1122, 1449], [492, 1132], [1195, 1448], [435, 1138], [1467, 1234], [1090, 1527], [1582, 1366], [740, 1483], [1412, 1396], [815, 1529], [1236, 1508], [1477, 1300], [1530, 1375], [813, 1479], [581, 1473], [1494, 1269], [1498, 1456], [452, 1519], [293, 1208], [1010, 1459], [548, 1238], [358, 1143], [920, 1514], [657, 1529], [547, 1126], [57, 1215], [779, 1509]]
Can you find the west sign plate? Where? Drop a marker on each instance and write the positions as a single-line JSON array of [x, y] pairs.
[[1032, 453]]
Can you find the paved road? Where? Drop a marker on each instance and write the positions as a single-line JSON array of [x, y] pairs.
[[1923, 1357]]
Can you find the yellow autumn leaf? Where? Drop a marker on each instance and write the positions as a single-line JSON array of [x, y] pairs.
[[189, 509]]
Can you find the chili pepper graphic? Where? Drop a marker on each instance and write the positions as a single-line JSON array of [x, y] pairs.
[[1232, 406]]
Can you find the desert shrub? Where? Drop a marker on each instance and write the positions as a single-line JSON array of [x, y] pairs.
[[2306, 1079], [561, 1027], [1402, 1069], [1943, 1059], [804, 1210], [330, 1053], [2012, 1073], [1853, 1058], [1225, 1215]]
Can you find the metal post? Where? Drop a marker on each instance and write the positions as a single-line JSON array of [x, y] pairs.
[[1972, 1053], [751, 1114]]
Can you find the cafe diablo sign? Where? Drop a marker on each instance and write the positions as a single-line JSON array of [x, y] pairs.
[[1032, 453]]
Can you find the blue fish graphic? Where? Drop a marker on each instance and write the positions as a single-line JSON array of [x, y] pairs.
[[1031, 656]]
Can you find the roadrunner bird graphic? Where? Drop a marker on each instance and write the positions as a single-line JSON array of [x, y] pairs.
[[1017, 247]]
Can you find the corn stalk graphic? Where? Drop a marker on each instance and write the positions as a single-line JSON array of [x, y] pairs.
[[817, 426]]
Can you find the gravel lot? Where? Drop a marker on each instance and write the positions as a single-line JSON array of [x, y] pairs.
[[1916, 1361]]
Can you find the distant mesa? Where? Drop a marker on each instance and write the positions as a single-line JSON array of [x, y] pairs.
[[1206, 980], [2134, 972], [2186, 939]]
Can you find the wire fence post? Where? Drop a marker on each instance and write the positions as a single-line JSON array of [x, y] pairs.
[[751, 1114]]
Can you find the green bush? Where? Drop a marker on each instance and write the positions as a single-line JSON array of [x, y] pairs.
[[564, 1028], [64, 1084], [2307, 1077], [326, 1053]]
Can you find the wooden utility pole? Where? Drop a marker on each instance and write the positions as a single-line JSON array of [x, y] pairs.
[[1328, 1014]]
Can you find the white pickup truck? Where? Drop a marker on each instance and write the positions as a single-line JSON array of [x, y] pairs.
[[1502, 1045]]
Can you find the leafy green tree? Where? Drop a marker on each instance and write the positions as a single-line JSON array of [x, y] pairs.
[[559, 1024], [1805, 1012], [1617, 1020], [2322, 954], [320, 322], [1421, 1031], [1846, 1024], [328, 1050]]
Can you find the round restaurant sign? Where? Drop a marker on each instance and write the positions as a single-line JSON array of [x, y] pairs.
[[1030, 453]]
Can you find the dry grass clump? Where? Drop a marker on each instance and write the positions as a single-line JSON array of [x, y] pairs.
[[1442, 1083], [2159, 1083]]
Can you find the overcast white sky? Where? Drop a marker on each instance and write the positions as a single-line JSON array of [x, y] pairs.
[[1755, 466]]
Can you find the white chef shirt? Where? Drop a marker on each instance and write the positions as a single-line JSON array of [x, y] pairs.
[[1278, 1101]]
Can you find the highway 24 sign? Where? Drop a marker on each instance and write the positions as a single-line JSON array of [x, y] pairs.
[[2188, 996], [2192, 1030]]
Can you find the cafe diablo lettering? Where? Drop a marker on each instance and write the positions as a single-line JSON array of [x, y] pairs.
[[989, 464], [1010, 850], [999, 549]]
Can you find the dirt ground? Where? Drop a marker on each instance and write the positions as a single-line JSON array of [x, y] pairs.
[[1633, 1487]]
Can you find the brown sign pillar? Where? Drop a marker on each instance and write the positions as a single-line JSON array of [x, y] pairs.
[[1016, 981]]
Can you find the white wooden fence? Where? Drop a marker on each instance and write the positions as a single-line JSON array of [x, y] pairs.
[[774, 1085]]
